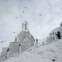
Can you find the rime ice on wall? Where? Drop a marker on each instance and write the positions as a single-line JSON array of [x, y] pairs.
[[14, 48], [26, 40], [55, 34], [3, 54]]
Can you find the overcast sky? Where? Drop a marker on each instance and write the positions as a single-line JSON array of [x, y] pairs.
[[42, 16]]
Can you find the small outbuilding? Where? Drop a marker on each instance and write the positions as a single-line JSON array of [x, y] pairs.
[[56, 33]]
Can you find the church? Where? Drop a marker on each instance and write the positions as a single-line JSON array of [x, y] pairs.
[[23, 41]]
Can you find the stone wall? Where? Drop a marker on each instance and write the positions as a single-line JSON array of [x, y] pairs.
[[3, 54], [14, 47]]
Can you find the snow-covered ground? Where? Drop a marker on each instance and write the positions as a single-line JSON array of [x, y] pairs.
[[47, 53]]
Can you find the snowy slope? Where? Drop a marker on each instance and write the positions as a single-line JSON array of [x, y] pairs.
[[46, 53]]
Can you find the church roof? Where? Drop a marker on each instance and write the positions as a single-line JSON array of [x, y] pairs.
[[24, 35], [31, 39]]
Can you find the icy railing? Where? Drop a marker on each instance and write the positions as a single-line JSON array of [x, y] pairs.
[[43, 42]]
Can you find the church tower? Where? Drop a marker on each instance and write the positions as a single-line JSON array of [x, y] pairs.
[[25, 26]]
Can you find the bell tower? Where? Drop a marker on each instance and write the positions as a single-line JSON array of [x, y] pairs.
[[25, 26]]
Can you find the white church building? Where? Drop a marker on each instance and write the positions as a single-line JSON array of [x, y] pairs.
[[23, 41]]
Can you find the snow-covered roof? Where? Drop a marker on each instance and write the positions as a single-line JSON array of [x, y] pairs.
[[22, 35], [57, 29]]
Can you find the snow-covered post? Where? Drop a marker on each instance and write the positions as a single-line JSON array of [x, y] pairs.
[[19, 48], [36, 44]]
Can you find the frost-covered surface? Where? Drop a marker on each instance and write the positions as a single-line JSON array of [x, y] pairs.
[[45, 14], [46, 53], [42, 15]]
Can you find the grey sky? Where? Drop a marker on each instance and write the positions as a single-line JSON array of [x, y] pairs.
[[42, 15]]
